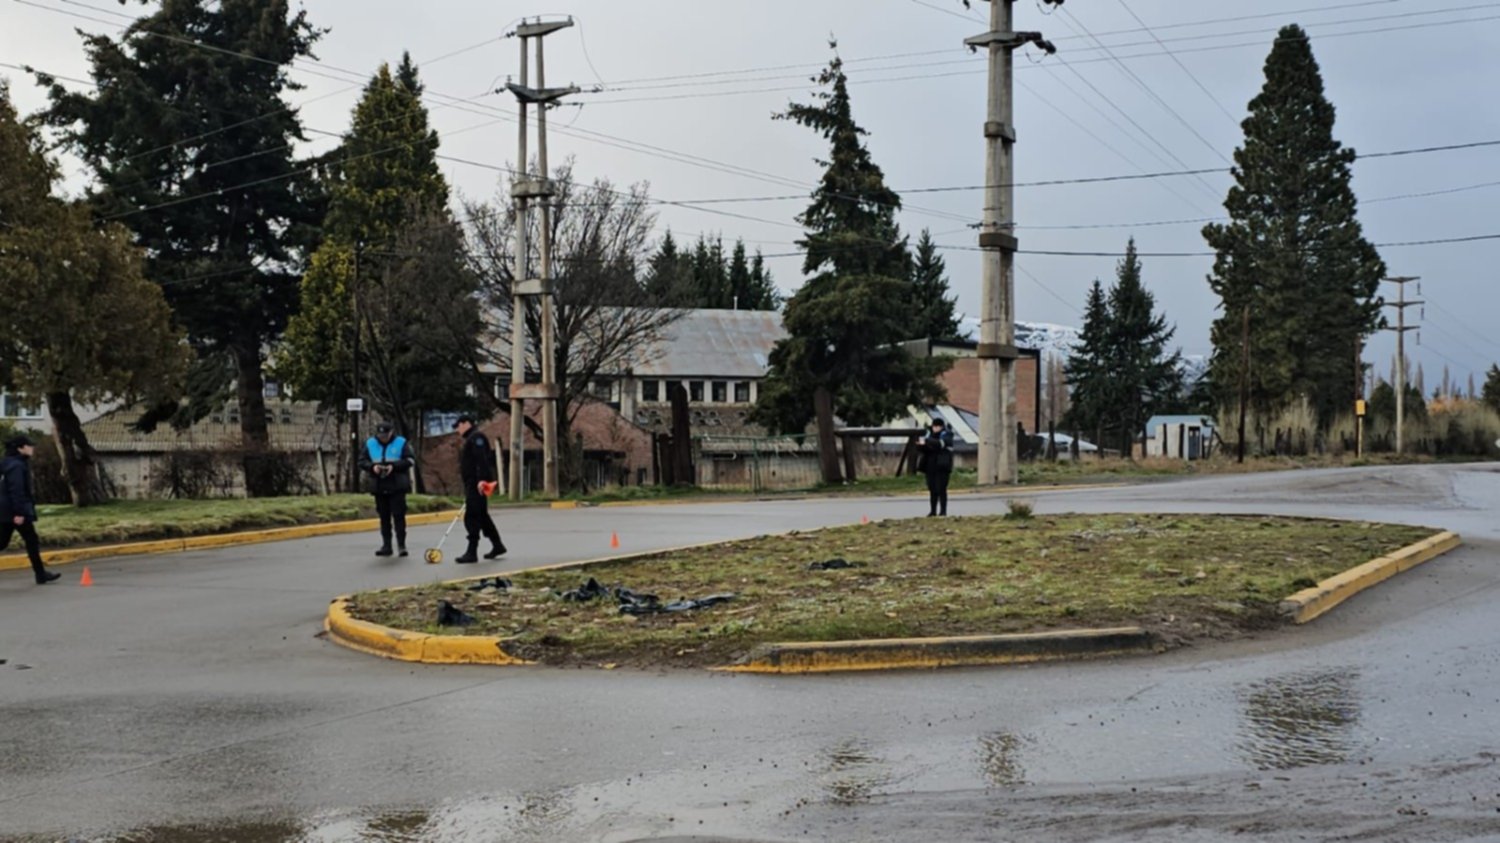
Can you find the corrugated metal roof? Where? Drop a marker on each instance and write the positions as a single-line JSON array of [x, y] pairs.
[[714, 343]]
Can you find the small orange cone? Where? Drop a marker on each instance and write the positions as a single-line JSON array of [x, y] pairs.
[[87, 579], [864, 519], [614, 539]]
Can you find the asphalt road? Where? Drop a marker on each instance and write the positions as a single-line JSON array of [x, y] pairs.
[[189, 697]]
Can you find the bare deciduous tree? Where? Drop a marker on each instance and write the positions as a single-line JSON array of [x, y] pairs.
[[607, 321]]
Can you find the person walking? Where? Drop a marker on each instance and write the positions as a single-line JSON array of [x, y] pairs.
[[18, 504], [937, 464], [388, 459], [476, 467]]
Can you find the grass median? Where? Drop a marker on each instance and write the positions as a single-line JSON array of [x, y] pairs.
[[1183, 577], [143, 520]]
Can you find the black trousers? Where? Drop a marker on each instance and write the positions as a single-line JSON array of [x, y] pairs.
[[29, 538], [937, 491], [392, 510], [477, 520]]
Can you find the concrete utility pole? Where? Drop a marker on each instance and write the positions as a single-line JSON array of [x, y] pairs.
[[1401, 304], [524, 191], [997, 351]]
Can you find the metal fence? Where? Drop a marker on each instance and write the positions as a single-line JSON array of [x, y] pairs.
[[756, 464]]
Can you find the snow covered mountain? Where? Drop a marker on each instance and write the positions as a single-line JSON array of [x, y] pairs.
[[1059, 341]]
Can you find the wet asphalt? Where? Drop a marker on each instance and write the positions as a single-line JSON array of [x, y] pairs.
[[189, 698]]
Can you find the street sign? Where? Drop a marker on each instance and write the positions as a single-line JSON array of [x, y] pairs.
[[1359, 408], [355, 405]]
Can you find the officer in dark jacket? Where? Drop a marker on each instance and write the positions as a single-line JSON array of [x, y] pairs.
[[18, 504], [388, 460], [476, 465], [937, 464]]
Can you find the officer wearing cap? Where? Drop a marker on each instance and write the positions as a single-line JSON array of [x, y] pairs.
[[18, 504], [388, 460], [476, 465]]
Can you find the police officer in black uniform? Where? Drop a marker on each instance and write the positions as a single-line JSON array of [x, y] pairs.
[[476, 464], [18, 504]]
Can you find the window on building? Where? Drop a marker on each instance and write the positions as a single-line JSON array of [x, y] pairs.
[[695, 391], [650, 390], [742, 392], [602, 389], [12, 407], [721, 392]]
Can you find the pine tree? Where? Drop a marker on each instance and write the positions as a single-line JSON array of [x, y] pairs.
[[1145, 377], [389, 242], [1490, 393], [224, 219], [1293, 255], [739, 277], [932, 309], [1088, 367], [763, 293], [669, 275], [842, 354]]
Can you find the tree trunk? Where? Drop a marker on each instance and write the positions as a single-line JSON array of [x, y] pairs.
[[828, 452], [80, 463], [255, 439], [682, 437]]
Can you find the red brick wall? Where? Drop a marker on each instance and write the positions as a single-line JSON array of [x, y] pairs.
[[602, 428], [962, 383]]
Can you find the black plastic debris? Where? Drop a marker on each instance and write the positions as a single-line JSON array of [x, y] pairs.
[[497, 583], [833, 564], [655, 607], [634, 603], [590, 590], [451, 615]]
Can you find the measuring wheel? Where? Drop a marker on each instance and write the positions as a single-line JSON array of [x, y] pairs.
[[432, 555]]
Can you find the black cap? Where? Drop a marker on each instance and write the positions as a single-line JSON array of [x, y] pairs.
[[939, 423], [385, 427], [17, 442], [462, 419]]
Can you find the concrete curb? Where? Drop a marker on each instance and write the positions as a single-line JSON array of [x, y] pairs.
[[1310, 603], [391, 643], [953, 651], [64, 556]]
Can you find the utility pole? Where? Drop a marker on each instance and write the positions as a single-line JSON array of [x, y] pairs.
[[524, 287], [1401, 304], [1244, 379], [997, 351], [355, 405]]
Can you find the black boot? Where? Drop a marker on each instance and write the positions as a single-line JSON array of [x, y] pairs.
[[385, 550], [47, 576], [471, 555], [496, 551], [401, 546]]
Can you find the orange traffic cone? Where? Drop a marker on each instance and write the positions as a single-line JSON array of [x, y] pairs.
[[864, 519], [614, 539], [87, 578]]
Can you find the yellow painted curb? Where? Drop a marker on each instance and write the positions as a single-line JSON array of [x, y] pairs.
[[952, 651], [1310, 603], [413, 646], [69, 555]]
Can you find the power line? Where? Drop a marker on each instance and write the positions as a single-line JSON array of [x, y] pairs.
[[1196, 81], [1150, 92]]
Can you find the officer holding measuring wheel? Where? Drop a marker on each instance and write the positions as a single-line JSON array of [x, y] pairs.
[[476, 466]]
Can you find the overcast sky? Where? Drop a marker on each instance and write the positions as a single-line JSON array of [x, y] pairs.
[[1402, 73]]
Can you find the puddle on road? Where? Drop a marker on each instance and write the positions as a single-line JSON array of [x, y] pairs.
[[1300, 719], [853, 772], [999, 763]]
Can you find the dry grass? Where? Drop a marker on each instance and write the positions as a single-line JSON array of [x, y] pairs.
[[1183, 576]]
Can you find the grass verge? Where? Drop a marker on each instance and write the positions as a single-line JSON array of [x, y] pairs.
[[142, 520], [1183, 577]]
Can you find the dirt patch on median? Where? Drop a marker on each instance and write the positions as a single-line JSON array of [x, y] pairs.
[[1183, 577]]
